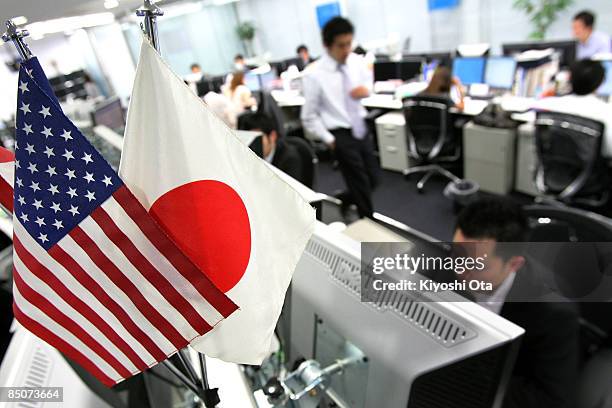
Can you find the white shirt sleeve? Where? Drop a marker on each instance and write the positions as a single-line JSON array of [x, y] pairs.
[[311, 116]]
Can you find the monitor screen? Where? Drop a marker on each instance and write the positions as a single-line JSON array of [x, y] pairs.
[[252, 82], [500, 72], [384, 71], [410, 69], [469, 70], [110, 114], [606, 88], [267, 79]]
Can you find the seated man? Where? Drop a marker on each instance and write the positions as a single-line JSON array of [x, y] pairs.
[[586, 77], [544, 375], [274, 150]]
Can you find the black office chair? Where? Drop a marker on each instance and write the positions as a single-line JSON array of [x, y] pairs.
[[309, 159], [570, 167], [583, 270], [430, 137], [269, 106]]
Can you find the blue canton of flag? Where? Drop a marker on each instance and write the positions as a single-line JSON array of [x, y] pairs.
[[60, 178]]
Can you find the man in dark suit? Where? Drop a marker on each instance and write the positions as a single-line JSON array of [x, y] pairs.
[[544, 375], [274, 150]]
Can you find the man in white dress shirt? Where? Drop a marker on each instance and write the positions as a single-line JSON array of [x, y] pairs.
[[333, 112], [586, 77]]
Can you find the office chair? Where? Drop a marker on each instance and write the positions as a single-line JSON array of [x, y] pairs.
[[429, 133], [309, 159], [269, 106], [570, 166], [583, 271]]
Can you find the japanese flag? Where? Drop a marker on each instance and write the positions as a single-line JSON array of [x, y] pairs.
[[231, 214]]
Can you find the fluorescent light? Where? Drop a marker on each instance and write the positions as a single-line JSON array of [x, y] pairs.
[[110, 4], [21, 20], [60, 25], [181, 9]]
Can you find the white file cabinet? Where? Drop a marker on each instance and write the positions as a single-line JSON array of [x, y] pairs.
[[489, 157], [526, 160], [391, 133]]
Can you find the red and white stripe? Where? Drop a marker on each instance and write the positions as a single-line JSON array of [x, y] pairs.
[[115, 294], [7, 175]]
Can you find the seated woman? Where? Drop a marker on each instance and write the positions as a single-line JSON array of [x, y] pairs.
[[441, 84], [239, 94]]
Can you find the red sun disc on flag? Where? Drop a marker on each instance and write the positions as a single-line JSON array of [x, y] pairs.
[[209, 222]]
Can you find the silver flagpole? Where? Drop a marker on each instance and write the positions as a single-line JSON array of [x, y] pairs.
[[16, 35], [150, 12]]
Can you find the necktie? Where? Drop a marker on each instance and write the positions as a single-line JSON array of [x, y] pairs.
[[353, 106]]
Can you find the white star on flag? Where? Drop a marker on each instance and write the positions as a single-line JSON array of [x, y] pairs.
[[45, 111], [87, 158], [66, 135], [74, 210], [68, 154], [69, 174], [25, 108], [23, 87], [107, 181], [47, 132]]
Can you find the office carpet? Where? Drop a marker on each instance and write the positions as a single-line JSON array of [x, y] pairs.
[[397, 198]]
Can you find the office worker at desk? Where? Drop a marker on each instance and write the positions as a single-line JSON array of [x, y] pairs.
[[332, 111], [238, 93], [590, 42], [586, 77], [274, 150], [544, 374], [441, 84]]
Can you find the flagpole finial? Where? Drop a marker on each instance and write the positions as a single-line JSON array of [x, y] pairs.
[[16, 35], [150, 12]]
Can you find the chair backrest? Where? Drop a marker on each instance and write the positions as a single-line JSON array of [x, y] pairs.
[[569, 154], [582, 266], [428, 127], [269, 106], [309, 159]]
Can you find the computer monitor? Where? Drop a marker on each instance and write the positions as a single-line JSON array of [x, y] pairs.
[[469, 70], [252, 82], [385, 71], [566, 49], [606, 88], [267, 79], [410, 69], [110, 114], [431, 350], [294, 61], [500, 72]]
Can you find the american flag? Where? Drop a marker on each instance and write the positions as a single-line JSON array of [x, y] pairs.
[[94, 275]]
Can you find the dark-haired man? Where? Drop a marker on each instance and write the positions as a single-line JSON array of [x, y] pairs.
[[545, 371], [590, 42], [586, 77], [274, 150], [333, 112], [304, 56]]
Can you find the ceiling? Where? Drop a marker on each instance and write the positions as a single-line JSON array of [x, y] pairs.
[[37, 10]]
